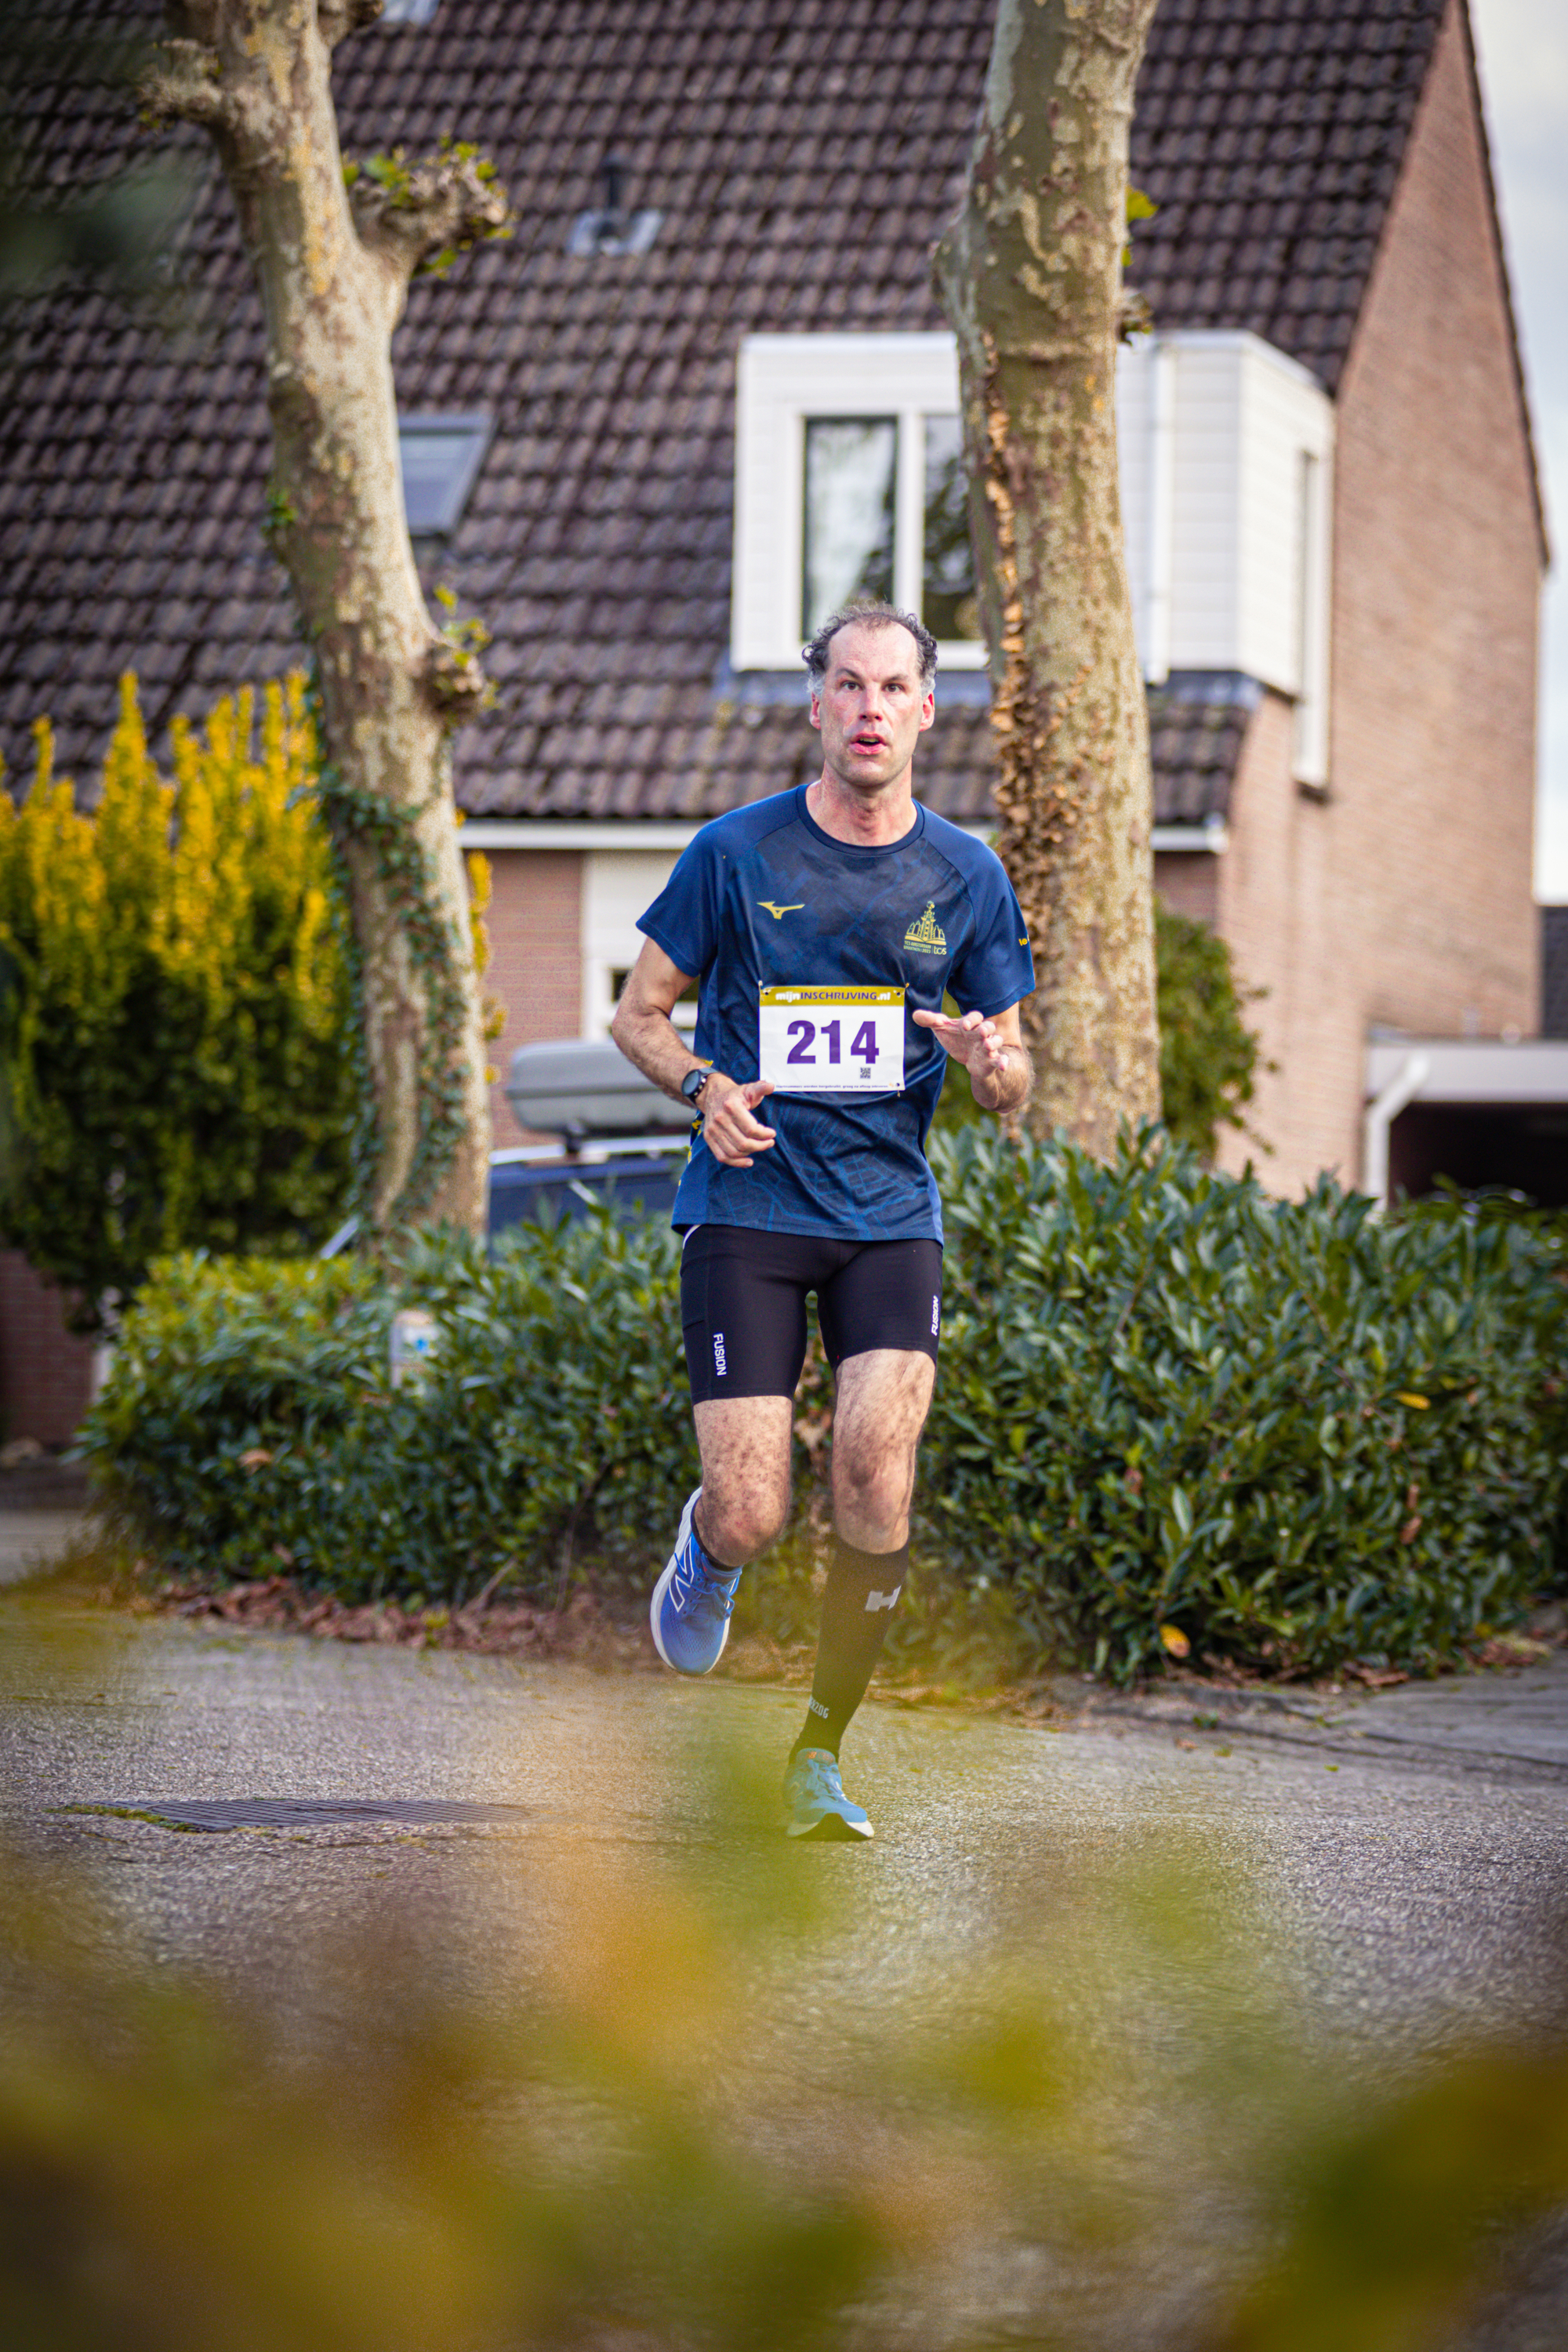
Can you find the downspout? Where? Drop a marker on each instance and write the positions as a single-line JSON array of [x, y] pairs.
[[1381, 1113], [1162, 503]]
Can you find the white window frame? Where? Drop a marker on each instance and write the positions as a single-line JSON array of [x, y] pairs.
[[618, 886], [781, 381]]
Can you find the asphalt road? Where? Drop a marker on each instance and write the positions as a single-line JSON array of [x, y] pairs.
[[1372, 1883]]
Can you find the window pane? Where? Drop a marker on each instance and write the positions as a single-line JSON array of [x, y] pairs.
[[440, 458], [850, 463], [950, 607]]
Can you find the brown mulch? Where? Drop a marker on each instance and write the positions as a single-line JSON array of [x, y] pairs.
[[584, 1632], [581, 1631]]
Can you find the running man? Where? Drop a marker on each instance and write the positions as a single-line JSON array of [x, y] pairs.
[[824, 925]]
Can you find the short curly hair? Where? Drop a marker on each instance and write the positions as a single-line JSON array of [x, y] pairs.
[[879, 614]]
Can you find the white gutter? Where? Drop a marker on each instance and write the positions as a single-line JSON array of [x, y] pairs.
[[553, 832], [1170, 839], [1381, 1113], [611, 833]]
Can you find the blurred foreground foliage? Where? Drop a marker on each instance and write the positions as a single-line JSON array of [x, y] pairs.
[[663, 2115], [1173, 1414]]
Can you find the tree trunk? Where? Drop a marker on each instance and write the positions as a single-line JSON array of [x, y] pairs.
[[1030, 274], [333, 274]]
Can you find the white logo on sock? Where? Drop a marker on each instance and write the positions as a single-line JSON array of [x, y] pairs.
[[719, 1364], [815, 1706], [882, 1599]]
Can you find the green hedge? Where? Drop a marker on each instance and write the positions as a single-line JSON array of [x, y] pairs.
[[1284, 1432], [1289, 1432]]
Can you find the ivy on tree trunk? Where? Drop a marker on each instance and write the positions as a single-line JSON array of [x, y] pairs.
[[333, 266], [1029, 273]]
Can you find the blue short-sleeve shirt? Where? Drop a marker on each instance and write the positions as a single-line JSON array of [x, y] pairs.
[[766, 898]]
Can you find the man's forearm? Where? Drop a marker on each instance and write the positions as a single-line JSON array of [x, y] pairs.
[[654, 1046]]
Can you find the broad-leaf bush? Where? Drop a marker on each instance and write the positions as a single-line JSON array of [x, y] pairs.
[[249, 1421], [1286, 1431], [1171, 1410]]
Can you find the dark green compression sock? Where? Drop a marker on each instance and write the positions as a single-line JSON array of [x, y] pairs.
[[857, 1610]]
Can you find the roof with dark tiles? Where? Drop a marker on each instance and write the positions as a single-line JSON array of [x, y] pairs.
[[1271, 134], [804, 154]]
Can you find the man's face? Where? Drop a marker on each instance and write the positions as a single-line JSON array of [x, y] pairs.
[[872, 708]]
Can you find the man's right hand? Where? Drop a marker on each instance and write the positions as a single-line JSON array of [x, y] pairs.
[[729, 1131]]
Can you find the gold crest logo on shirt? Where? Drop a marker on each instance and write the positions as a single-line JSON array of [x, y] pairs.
[[926, 937]]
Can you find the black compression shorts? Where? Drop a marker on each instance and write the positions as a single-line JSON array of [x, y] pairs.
[[743, 1304]]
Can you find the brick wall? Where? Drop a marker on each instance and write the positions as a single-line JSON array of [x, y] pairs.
[[1187, 880], [536, 959], [45, 1373], [1407, 899]]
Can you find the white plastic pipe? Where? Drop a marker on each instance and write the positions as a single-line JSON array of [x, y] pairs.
[[1381, 1113], [1162, 511]]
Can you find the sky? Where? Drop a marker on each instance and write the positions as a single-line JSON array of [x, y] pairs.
[[1523, 50]]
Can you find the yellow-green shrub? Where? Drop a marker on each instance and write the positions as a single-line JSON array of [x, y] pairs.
[[175, 1002]]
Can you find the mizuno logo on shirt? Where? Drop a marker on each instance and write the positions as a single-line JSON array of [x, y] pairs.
[[778, 913]]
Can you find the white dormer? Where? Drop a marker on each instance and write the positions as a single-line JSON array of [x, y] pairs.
[[849, 477], [1226, 450]]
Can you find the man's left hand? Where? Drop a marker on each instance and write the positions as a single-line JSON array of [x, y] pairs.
[[990, 1051], [972, 1040]]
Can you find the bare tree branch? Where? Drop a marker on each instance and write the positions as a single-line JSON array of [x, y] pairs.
[[422, 215], [1029, 273], [332, 264], [182, 84], [335, 19]]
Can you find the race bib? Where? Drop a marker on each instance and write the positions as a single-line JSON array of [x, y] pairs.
[[842, 1040]]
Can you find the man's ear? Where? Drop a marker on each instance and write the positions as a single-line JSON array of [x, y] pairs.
[[816, 713]]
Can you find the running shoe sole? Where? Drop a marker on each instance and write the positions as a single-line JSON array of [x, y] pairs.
[[662, 1587], [834, 1830]]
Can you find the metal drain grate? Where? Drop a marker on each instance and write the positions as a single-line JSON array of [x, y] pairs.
[[302, 1813]]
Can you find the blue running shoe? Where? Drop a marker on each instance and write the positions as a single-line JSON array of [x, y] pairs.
[[689, 1611], [814, 1802]]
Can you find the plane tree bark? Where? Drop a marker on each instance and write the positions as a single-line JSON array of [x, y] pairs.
[[333, 266], [1029, 273]]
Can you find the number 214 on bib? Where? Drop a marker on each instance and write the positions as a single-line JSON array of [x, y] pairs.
[[832, 1040]]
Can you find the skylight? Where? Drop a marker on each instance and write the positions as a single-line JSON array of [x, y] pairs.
[[441, 459], [408, 12]]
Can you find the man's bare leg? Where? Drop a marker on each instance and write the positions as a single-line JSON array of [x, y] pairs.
[[883, 1398], [741, 1507], [744, 1445]]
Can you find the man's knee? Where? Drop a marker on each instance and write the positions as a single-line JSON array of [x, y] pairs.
[[873, 1484], [737, 1526]]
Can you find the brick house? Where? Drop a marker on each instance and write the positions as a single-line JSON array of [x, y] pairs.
[[706, 388]]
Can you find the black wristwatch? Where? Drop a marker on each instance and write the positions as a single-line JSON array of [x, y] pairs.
[[692, 1084]]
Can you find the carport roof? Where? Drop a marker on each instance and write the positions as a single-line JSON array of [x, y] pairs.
[[1458, 1070]]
